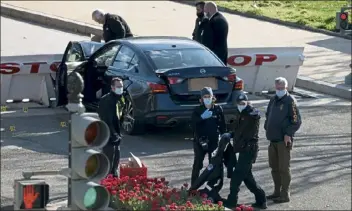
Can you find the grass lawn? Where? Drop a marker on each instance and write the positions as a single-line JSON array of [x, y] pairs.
[[317, 14]]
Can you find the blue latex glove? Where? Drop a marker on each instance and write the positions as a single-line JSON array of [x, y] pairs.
[[206, 114]]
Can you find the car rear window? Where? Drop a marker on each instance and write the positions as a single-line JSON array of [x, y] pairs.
[[183, 58]]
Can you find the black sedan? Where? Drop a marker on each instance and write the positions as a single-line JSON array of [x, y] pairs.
[[165, 73]]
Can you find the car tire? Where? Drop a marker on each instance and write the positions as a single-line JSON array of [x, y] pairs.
[[132, 125]]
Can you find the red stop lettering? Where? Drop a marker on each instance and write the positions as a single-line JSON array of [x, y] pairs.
[[260, 58], [246, 60], [35, 66], [9, 68]]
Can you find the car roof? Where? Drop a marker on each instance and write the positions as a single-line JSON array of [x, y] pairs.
[[162, 43]]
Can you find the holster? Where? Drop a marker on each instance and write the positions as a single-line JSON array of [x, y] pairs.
[[253, 148], [204, 142]]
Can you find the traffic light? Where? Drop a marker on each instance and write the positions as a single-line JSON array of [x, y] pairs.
[[344, 20], [88, 165]]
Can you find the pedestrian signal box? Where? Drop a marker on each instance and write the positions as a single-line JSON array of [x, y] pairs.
[[88, 164], [31, 194]]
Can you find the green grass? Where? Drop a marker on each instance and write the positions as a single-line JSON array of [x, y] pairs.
[[317, 14]]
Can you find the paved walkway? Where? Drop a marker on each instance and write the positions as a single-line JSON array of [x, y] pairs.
[[328, 57]]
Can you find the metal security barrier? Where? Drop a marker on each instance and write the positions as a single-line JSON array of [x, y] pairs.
[[31, 77], [342, 21], [258, 67], [28, 78]]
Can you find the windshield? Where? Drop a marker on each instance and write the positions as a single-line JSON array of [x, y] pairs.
[[183, 58]]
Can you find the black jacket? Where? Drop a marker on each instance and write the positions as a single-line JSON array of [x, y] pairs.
[[210, 128], [115, 27], [245, 129], [215, 36], [282, 118], [108, 113], [198, 29]]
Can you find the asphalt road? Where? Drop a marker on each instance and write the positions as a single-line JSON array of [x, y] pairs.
[[321, 159]]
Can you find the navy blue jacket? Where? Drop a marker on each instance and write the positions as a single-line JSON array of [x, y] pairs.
[[282, 118]]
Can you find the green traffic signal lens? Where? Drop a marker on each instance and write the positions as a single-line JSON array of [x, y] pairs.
[[90, 198], [92, 166]]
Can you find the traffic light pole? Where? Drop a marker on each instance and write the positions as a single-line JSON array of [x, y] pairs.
[[75, 86]]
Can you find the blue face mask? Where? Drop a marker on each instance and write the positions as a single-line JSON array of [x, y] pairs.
[[241, 107], [118, 91], [280, 93], [207, 101]]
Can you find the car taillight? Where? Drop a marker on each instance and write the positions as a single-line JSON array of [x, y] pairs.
[[174, 80], [157, 88], [231, 77], [239, 85]]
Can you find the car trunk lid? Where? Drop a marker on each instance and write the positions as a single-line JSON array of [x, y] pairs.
[[185, 83]]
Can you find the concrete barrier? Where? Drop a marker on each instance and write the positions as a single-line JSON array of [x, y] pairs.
[[31, 77], [259, 67], [28, 77]]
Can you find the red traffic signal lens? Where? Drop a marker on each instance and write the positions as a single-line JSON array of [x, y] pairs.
[[91, 133], [343, 16]]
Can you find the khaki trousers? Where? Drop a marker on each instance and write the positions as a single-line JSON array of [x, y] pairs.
[[279, 162]]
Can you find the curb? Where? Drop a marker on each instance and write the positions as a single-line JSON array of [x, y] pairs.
[[324, 87], [272, 20], [87, 29], [51, 21]]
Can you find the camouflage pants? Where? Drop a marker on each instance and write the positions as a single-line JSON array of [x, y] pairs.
[[279, 162]]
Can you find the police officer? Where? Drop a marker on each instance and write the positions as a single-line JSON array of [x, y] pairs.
[[114, 26], [208, 123], [109, 110], [245, 142], [283, 119]]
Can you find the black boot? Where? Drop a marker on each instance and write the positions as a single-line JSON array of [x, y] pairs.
[[261, 206]]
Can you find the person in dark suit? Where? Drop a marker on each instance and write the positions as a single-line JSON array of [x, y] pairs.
[[215, 33], [198, 28], [114, 26]]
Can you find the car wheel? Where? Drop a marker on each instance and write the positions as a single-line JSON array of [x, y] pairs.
[[130, 124]]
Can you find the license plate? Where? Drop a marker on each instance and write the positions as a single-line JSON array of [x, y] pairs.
[[197, 84]]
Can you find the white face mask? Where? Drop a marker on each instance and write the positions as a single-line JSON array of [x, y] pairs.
[[280, 93], [207, 101], [241, 107], [118, 90]]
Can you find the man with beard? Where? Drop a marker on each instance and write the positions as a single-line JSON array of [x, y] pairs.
[[114, 26], [199, 26], [215, 32]]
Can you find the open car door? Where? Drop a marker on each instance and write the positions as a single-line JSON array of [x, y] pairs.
[[75, 54]]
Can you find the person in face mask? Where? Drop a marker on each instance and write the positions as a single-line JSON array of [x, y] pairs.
[[199, 26], [245, 142], [110, 111], [282, 122], [208, 123]]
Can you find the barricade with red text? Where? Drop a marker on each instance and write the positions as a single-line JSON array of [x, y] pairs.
[[29, 77], [32, 76], [258, 67]]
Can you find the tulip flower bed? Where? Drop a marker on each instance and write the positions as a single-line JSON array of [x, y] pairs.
[[142, 193]]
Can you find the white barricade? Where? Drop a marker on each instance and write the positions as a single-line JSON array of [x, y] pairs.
[[258, 67], [28, 77]]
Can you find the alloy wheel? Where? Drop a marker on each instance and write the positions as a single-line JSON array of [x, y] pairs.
[[128, 121]]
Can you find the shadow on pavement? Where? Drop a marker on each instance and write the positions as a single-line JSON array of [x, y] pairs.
[[335, 44]]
